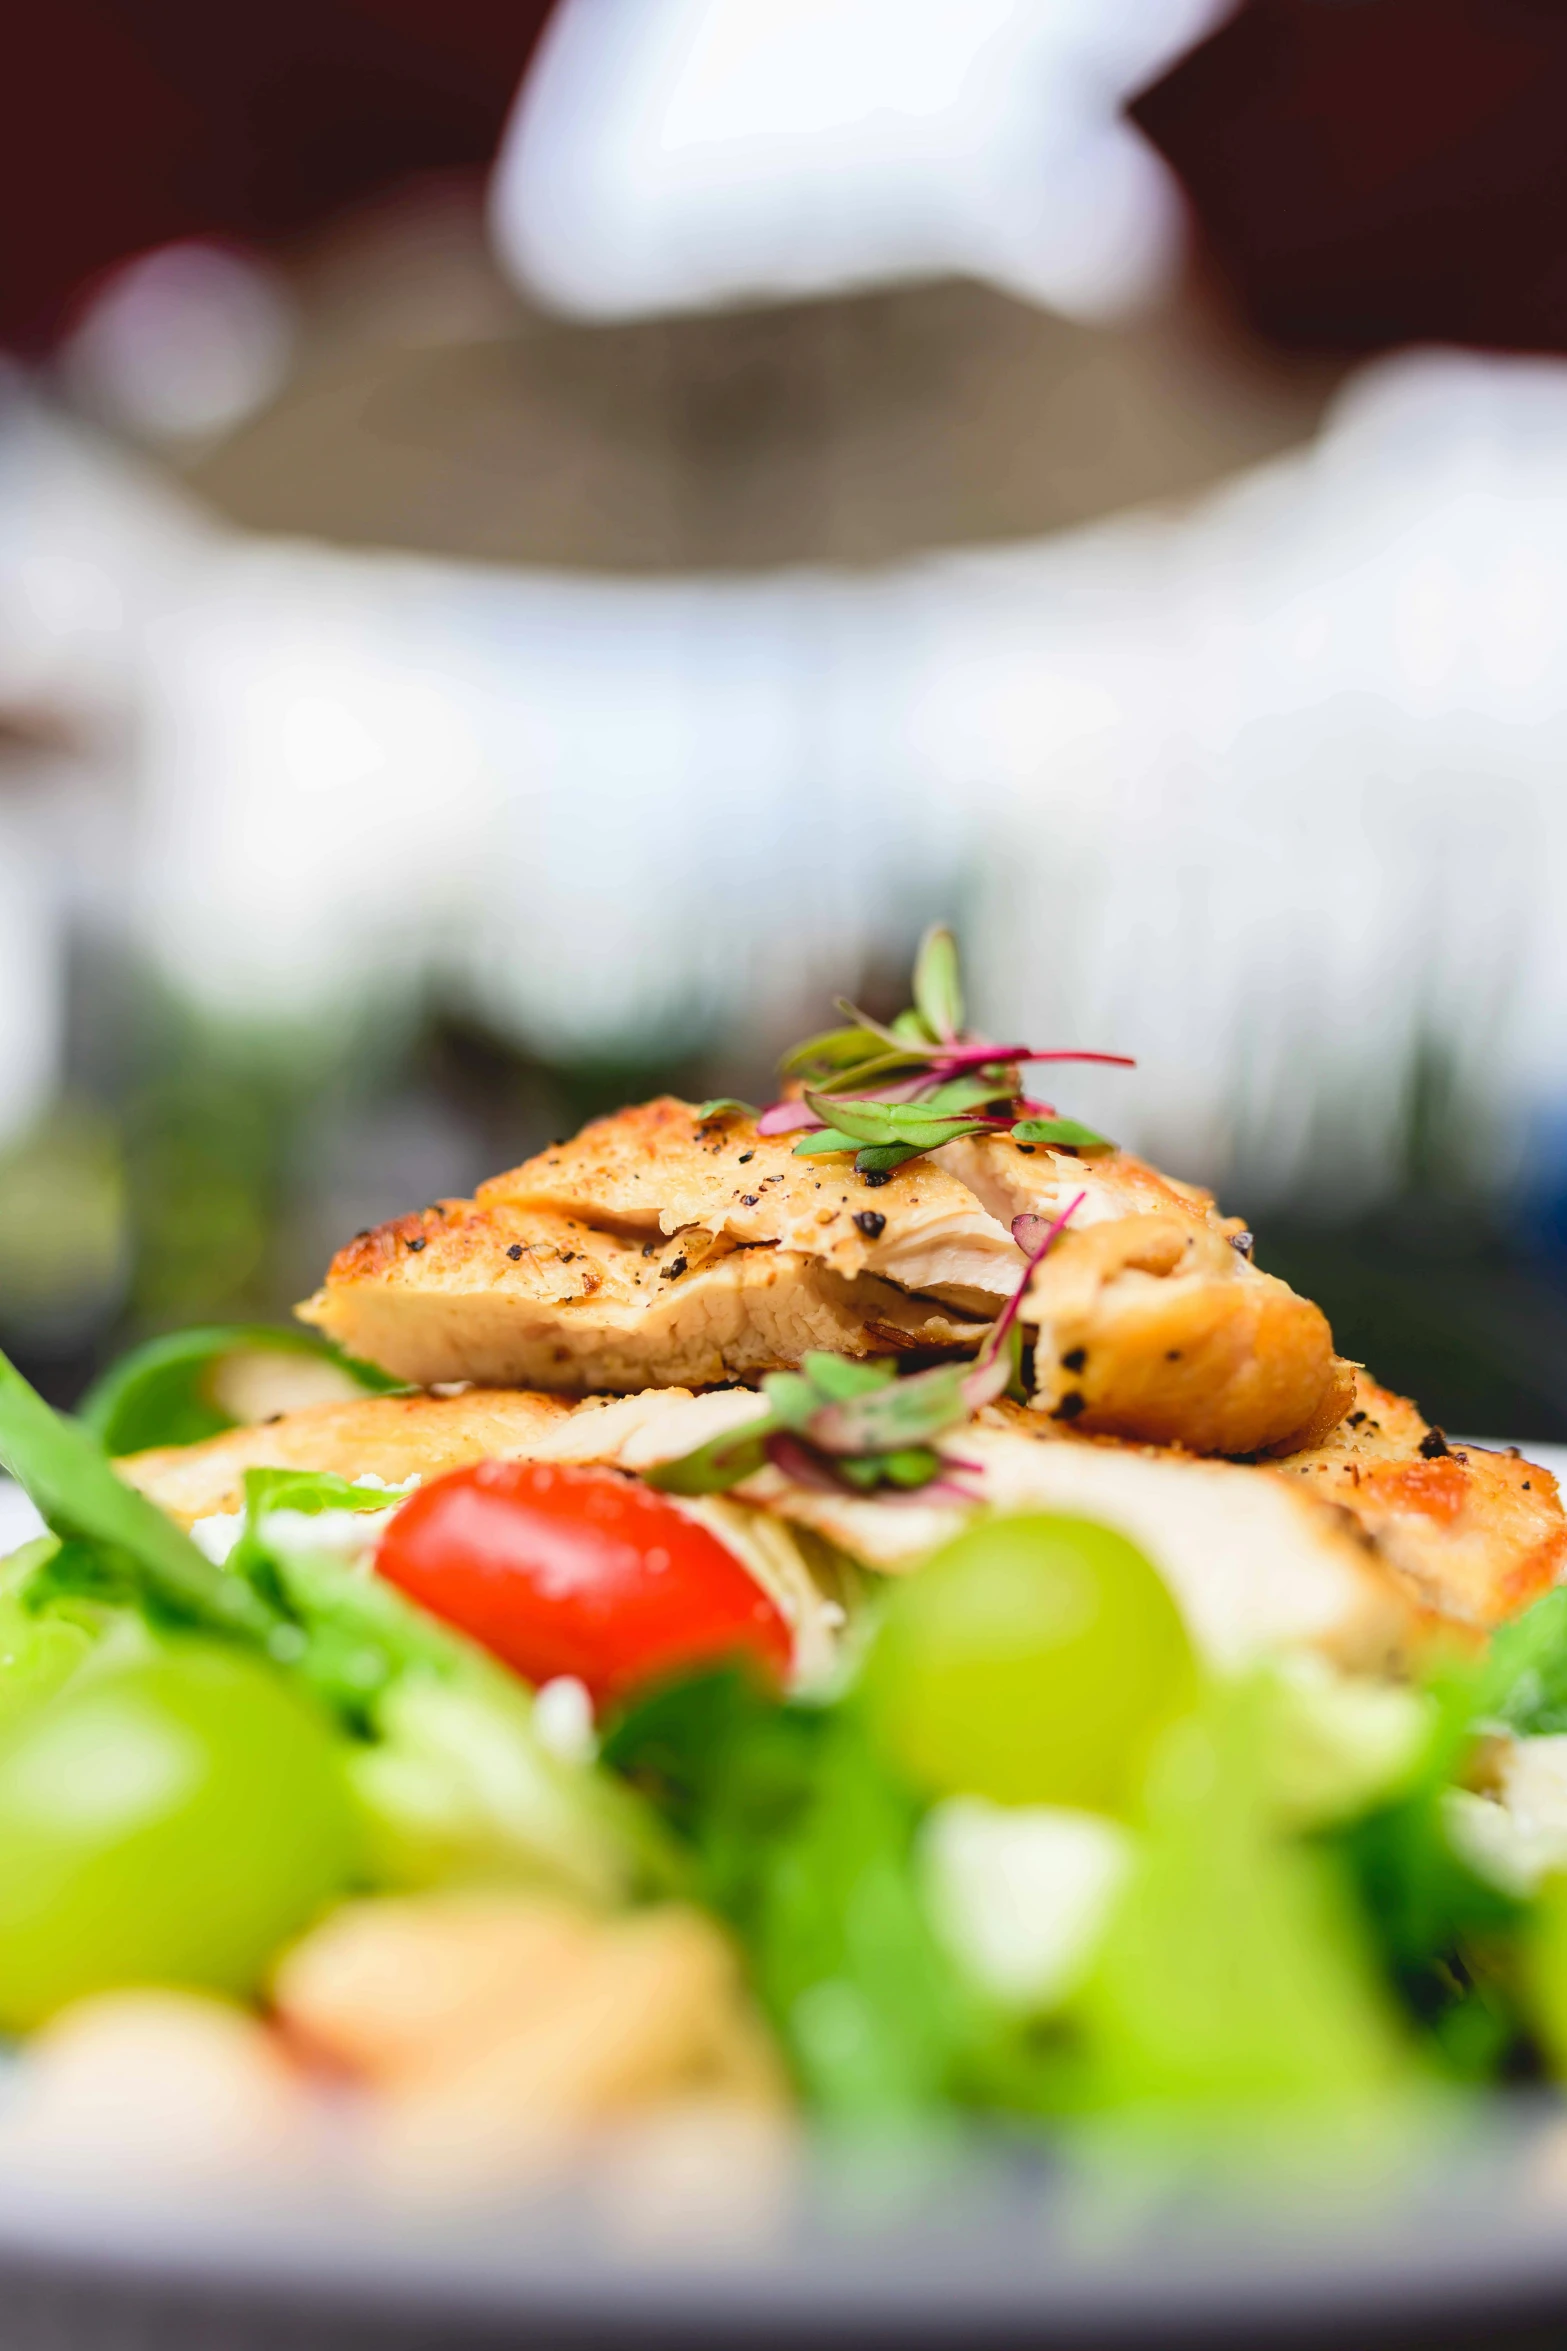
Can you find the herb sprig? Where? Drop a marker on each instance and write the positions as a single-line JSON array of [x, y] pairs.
[[890, 1093], [840, 1426]]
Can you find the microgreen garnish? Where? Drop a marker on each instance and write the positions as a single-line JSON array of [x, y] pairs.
[[888, 1092], [842, 1426]]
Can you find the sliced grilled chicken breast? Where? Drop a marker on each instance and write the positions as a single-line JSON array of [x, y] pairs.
[[664, 1248], [388, 1437], [1477, 1535], [528, 1296]]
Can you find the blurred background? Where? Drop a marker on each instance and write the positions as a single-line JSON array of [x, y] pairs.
[[537, 543]]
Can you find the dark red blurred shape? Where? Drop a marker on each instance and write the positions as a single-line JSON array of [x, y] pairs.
[[1371, 172], [124, 123]]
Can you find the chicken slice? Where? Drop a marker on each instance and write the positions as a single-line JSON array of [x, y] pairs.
[[1476, 1535], [1152, 1321], [392, 1438], [1154, 1327], [528, 1296], [1257, 1563], [661, 1168]]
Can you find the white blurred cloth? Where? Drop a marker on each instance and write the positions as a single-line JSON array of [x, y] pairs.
[[1272, 794]]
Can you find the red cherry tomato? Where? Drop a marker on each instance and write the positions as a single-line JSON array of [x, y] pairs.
[[560, 1570]]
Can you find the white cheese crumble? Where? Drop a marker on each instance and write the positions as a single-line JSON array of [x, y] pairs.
[[1519, 1836], [563, 1719], [216, 1535], [1020, 1893]]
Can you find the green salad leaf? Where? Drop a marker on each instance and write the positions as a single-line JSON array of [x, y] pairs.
[[1235, 1970], [116, 1536], [805, 1844], [163, 1392]]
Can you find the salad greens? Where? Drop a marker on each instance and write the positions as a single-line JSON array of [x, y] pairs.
[[1290, 1918], [166, 1392], [438, 1743]]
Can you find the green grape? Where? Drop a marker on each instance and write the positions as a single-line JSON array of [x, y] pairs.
[[170, 1822], [1034, 1660]]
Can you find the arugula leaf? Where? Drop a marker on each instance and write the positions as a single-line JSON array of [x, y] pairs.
[[161, 1392], [1068, 1131], [67, 1476], [938, 989]]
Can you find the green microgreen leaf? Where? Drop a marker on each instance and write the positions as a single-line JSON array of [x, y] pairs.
[[826, 1139], [882, 1158], [725, 1105], [838, 1377], [791, 1397], [833, 1049], [879, 1067], [938, 988], [971, 1093], [724, 1461], [1069, 1132], [899, 1414], [912, 1030], [890, 1122]]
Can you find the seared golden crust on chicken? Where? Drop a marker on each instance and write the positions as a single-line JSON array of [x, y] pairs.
[[528, 1296], [389, 1437], [1475, 1535], [1154, 1327]]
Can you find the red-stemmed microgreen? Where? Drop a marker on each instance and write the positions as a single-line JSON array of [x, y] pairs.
[[890, 1092], [844, 1426]]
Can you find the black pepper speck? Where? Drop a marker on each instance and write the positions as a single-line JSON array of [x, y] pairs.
[[871, 1222], [515, 1251], [1071, 1404], [749, 1199], [1074, 1359], [413, 1247], [1434, 1446], [673, 1270], [745, 1158], [876, 1175]]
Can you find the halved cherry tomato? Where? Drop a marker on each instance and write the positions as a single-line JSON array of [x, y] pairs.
[[561, 1570]]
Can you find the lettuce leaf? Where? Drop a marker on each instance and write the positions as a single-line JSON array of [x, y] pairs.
[[161, 1393]]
